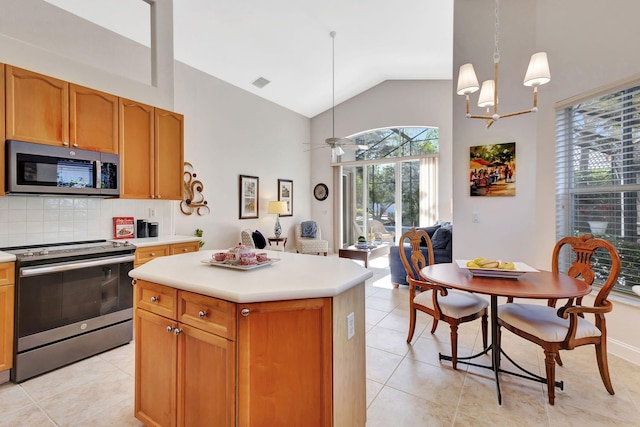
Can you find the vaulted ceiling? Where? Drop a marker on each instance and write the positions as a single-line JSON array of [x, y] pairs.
[[287, 42]]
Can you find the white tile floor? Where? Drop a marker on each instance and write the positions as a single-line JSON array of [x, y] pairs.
[[406, 384]]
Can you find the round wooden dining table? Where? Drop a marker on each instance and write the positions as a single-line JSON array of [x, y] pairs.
[[531, 285]]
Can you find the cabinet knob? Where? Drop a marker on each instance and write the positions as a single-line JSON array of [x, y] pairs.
[[202, 314], [177, 331], [133, 282], [152, 254], [245, 312], [65, 143], [75, 144], [169, 329], [153, 197], [155, 299], [185, 250], [158, 197]]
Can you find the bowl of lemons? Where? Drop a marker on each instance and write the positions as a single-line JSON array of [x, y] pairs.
[[490, 267]]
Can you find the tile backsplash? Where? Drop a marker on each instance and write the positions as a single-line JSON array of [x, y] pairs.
[[35, 220]]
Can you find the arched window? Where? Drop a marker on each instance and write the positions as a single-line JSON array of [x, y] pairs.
[[392, 185]]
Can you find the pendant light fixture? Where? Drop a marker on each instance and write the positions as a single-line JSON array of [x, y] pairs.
[[537, 74]]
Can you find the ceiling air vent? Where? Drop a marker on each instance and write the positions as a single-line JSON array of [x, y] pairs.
[[260, 82]]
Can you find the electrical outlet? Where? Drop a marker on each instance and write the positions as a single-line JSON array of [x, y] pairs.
[[351, 325], [152, 212], [475, 217]]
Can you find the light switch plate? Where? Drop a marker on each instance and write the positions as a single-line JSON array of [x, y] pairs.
[[351, 325]]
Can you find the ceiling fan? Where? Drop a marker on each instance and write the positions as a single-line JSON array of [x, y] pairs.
[[337, 144]]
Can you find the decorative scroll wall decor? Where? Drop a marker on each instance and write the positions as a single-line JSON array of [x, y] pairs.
[[193, 197]]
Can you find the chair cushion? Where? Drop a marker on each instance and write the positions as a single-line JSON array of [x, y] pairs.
[[543, 322], [441, 237], [259, 239], [308, 229], [456, 304]]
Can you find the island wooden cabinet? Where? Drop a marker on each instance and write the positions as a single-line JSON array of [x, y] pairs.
[[147, 253], [294, 361], [6, 315], [185, 362], [151, 152], [37, 107]]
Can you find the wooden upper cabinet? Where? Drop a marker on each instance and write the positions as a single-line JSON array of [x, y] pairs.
[[169, 154], [136, 150], [37, 107], [93, 119]]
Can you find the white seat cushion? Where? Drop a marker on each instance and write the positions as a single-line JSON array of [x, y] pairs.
[[456, 304], [543, 322]]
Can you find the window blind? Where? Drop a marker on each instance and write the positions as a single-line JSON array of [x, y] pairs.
[[597, 177]]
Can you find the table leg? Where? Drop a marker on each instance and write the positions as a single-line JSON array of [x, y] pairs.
[[495, 345]]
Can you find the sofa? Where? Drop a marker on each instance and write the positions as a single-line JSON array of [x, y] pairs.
[[441, 237]]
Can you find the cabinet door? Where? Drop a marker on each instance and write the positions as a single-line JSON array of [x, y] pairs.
[[136, 150], [169, 156], [147, 253], [37, 107], [156, 369], [285, 363], [6, 326], [206, 379], [93, 119]]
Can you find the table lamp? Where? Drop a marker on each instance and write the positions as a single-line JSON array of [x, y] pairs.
[[277, 208]]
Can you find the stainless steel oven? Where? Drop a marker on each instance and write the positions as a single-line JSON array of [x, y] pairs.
[[72, 301]]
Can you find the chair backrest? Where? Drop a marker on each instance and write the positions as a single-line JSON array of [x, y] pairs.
[[246, 238], [584, 247], [418, 261], [376, 226], [298, 231]]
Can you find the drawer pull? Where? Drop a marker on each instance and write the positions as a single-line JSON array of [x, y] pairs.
[[177, 331], [185, 250], [152, 254], [245, 312], [133, 282], [202, 314], [169, 329], [155, 299]]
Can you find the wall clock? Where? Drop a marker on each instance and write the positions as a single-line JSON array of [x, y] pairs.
[[321, 192]]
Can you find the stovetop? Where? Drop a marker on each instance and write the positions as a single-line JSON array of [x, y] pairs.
[[84, 249]]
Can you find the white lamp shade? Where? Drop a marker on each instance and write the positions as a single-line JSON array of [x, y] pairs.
[[467, 80], [277, 208], [538, 70], [486, 94]]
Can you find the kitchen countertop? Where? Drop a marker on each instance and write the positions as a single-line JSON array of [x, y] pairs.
[[294, 276], [5, 257], [160, 240]]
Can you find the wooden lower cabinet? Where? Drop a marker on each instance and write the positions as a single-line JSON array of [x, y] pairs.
[[147, 253], [6, 315], [293, 361]]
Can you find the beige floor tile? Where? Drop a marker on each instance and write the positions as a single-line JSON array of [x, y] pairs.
[[27, 416], [388, 340], [373, 388], [398, 320], [381, 364], [373, 317], [12, 398], [395, 408]]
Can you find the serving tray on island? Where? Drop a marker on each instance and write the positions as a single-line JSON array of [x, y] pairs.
[[228, 264], [521, 268]]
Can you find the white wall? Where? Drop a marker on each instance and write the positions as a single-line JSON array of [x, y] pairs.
[[391, 103], [589, 44]]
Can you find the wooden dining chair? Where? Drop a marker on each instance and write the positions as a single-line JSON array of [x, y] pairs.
[[452, 307], [566, 328]]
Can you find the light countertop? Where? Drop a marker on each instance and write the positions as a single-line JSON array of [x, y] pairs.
[[160, 240], [5, 257], [294, 276]]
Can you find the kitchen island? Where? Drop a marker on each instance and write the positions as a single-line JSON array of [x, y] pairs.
[[282, 344]]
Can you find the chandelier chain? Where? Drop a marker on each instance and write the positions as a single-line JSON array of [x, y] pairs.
[[496, 51]]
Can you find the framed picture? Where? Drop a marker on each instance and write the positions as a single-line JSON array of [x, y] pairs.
[[249, 196], [285, 194], [492, 170]]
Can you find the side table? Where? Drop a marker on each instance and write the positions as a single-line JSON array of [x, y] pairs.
[[277, 240]]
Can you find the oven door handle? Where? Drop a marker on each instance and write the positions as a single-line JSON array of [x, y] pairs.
[[56, 268]]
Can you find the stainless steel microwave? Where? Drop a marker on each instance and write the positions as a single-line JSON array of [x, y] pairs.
[[46, 169]]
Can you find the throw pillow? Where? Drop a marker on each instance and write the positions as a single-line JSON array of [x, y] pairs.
[[441, 238], [308, 229], [259, 240], [430, 231]]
